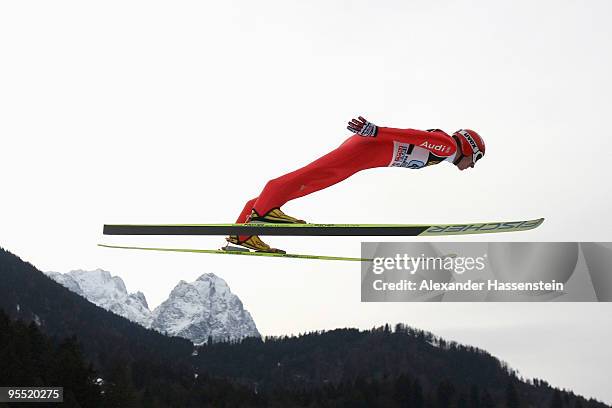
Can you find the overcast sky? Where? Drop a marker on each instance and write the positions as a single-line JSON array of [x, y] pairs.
[[178, 112]]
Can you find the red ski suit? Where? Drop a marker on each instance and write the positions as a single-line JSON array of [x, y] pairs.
[[409, 148]]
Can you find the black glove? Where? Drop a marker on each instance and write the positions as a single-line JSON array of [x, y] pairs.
[[362, 127]]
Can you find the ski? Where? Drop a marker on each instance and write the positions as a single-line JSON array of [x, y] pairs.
[[240, 252], [323, 229]]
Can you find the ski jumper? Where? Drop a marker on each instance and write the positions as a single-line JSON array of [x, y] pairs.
[[410, 148]]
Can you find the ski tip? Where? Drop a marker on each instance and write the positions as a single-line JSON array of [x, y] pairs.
[[483, 227]]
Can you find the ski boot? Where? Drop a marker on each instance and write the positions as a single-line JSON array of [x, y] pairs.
[[274, 216], [252, 242]]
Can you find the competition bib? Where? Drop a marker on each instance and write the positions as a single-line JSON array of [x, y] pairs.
[[409, 156]]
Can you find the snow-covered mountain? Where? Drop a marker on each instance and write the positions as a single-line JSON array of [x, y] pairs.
[[108, 292], [204, 308], [195, 310]]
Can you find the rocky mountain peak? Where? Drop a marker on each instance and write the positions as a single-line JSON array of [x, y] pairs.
[[194, 310]]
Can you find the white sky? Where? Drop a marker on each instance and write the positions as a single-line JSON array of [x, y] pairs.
[[178, 112]]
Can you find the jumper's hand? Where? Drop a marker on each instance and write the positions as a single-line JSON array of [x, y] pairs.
[[362, 127]]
